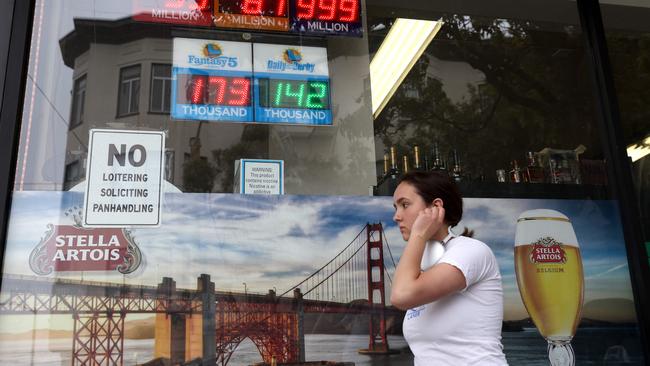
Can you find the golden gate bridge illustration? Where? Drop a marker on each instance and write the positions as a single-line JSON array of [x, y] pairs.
[[205, 325]]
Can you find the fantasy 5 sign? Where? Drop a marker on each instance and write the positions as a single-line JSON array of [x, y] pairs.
[[222, 81], [212, 80]]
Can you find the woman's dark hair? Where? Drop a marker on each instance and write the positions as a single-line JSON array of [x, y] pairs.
[[431, 185]]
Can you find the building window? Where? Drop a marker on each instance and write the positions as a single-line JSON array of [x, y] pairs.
[[161, 88], [129, 94], [78, 102], [72, 173], [169, 165]]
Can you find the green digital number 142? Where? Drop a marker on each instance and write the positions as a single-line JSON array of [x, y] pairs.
[[303, 95]]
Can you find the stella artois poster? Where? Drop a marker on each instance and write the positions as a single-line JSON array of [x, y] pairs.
[[566, 284]]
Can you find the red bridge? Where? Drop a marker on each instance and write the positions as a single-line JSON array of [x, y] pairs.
[[208, 325]]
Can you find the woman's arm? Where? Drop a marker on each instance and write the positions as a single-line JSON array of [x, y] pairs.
[[411, 287]]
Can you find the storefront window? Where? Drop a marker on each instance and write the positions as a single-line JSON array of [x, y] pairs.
[[244, 213], [628, 44]]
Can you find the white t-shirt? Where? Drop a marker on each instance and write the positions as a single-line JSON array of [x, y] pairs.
[[463, 328]]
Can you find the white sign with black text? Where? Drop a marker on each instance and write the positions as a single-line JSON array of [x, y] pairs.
[[124, 178], [262, 176]]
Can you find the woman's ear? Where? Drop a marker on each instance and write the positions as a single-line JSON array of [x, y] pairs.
[[438, 203]]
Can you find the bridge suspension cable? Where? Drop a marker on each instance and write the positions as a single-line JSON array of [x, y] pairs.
[[342, 279], [383, 233]]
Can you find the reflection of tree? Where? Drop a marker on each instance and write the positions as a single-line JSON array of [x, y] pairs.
[[536, 93], [630, 56], [253, 145], [198, 173]]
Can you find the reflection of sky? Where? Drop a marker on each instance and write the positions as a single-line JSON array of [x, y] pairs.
[[276, 241]]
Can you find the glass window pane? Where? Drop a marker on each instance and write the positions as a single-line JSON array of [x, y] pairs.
[[248, 206], [161, 88], [157, 95], [129, 90], [134, 95], [78, 101], [167, 92], [125, 93], [628, 41]]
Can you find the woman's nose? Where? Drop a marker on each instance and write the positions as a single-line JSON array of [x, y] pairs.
[[397, 217]]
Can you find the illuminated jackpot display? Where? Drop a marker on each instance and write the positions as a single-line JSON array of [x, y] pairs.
[[338, 17], [291, 84], [216, 80], [212, 80], [252, 14], [295, 94], [341, 17], [189, 12]]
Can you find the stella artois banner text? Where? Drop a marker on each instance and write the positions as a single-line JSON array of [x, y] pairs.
[[72, 248]]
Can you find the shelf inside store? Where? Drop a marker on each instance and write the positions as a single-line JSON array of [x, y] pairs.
[[479, 189]]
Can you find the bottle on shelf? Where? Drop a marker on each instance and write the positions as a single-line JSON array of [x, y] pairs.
[[457, 170], [565, 172], [515, 172], [534, 172], [405, 164], [501, 175], [560, 172], [481, 175], [416, 157], [394, 170], [436, 160], [443, 166], [386, 164]]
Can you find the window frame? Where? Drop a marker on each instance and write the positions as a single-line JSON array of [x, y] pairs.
[[75, 101], [151, 88], [120, 81]]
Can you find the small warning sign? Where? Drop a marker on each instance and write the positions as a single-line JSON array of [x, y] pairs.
[[262, 176]]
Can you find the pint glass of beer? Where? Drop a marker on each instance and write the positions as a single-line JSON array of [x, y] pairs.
[[550, 279]]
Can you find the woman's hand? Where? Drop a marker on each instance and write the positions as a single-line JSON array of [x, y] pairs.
[[429, 221]]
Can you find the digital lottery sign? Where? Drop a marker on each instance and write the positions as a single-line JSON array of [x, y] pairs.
[[216, 80], [335, 17], [291, 84], [252, 14], [342, 17], [187, 12], [211, 80]]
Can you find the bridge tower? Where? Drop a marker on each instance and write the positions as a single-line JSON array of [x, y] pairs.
[[378, 343], [98, 339]]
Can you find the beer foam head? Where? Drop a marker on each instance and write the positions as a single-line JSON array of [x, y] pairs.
[[533, 225]]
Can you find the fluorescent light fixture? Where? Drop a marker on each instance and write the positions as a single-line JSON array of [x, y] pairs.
[[639, 150], [402, 47]]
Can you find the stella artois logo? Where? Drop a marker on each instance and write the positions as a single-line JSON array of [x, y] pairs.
[[547, 250], [70, 248]]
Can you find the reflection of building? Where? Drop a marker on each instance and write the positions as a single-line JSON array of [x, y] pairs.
[[122, 80]]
